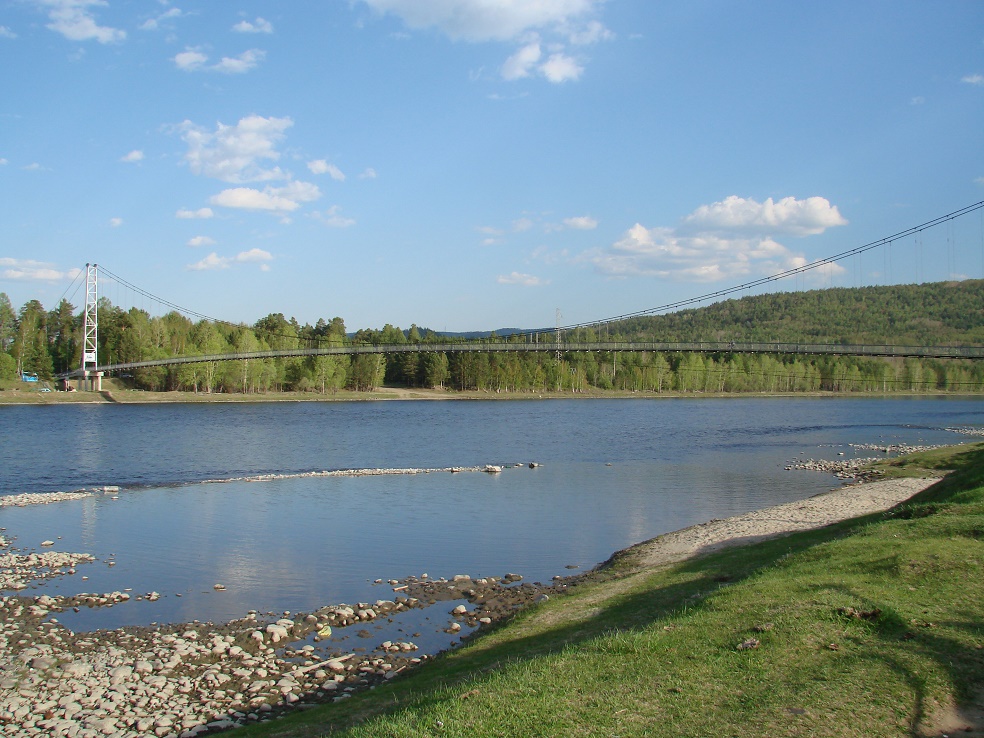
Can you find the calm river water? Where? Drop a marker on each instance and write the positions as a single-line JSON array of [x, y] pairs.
[[614, 472]]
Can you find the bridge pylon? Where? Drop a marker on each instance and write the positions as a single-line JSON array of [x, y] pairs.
[[91, 379]]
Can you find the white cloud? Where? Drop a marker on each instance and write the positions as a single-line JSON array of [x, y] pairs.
[[73, 20], [233, 153], [581, 223], [115, 222], [522, 21], [592, 33], [240, 64], [197, 241], [7, 33], [487, 20], [368, 173], [521, 64], [917, 100], [133, 157], [193, 60], [521, 225], [190, 59], [320, 166], [260, 25], [333, 217], [973, 79], [33, 167], [214, 261], [790, 216], [284, 199], [561, 68], [238, 155], [732, 239], [152, 24], [524, 280], [201, 213], [3, 162], [27, 270]]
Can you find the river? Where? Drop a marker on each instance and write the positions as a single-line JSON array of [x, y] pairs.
[[612, 472]]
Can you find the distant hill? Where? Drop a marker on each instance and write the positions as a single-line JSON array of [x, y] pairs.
[[938, 313]]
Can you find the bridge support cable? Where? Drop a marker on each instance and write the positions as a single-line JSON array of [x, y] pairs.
[[857, 251]]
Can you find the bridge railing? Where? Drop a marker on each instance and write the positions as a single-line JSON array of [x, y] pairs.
[[547, 346]]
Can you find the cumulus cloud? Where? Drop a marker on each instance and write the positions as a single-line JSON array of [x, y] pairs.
[[197, 241], [115, 222], [973, 79], [74, 20], [27, 270], [240, 64], [7, 33], [522, 63], [523, 21], [524, 280], [732, 239], [581, 223], [333, 217], [201, 213], [152, 24], [133, 157], [236, 154], [3, 162], [320, 166], [788, 216], [194, 59], [242, 154], [368, 173], [190, 60], [260, 25], [469, 20], [561, 68], [284, 199], [214, 261]]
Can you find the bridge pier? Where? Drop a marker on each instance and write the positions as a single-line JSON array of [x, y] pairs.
[[90, 382]]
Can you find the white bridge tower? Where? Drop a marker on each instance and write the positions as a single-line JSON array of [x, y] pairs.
[[91, 379]]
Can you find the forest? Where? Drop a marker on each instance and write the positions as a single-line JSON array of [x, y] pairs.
[[49, 342]]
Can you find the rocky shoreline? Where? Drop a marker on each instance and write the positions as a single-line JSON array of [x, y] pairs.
[[191, 679]]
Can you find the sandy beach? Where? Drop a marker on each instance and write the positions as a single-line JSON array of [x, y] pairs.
[[814, 512]]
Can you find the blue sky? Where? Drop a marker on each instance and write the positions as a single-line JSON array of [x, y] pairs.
[[477, 164]]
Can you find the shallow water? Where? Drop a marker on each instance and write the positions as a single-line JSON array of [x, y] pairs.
[[614, 472]]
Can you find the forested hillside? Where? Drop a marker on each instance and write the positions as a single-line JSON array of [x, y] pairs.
[[937, 314], [952, 313]]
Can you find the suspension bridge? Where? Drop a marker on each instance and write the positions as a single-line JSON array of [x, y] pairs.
[[90, 371]]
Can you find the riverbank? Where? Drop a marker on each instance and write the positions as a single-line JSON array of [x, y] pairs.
[[116, 393], [870, 626], [191, 678]]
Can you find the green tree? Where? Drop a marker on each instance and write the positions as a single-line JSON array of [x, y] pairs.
[[8, 323]]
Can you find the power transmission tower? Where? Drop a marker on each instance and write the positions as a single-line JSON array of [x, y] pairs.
[[90, 348]]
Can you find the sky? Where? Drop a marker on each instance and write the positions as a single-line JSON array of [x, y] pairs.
[[479, 164]]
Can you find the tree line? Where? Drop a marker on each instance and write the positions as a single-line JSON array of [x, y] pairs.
[[50, 342]]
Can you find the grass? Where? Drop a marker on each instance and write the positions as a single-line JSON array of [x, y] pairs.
[[869, 627]]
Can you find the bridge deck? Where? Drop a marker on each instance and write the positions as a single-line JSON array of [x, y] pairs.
[[713, 347]]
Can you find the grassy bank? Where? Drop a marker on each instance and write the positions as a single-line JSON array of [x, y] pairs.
[[871, 627]]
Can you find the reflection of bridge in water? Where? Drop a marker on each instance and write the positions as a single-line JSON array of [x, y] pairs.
[[567, 347]]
